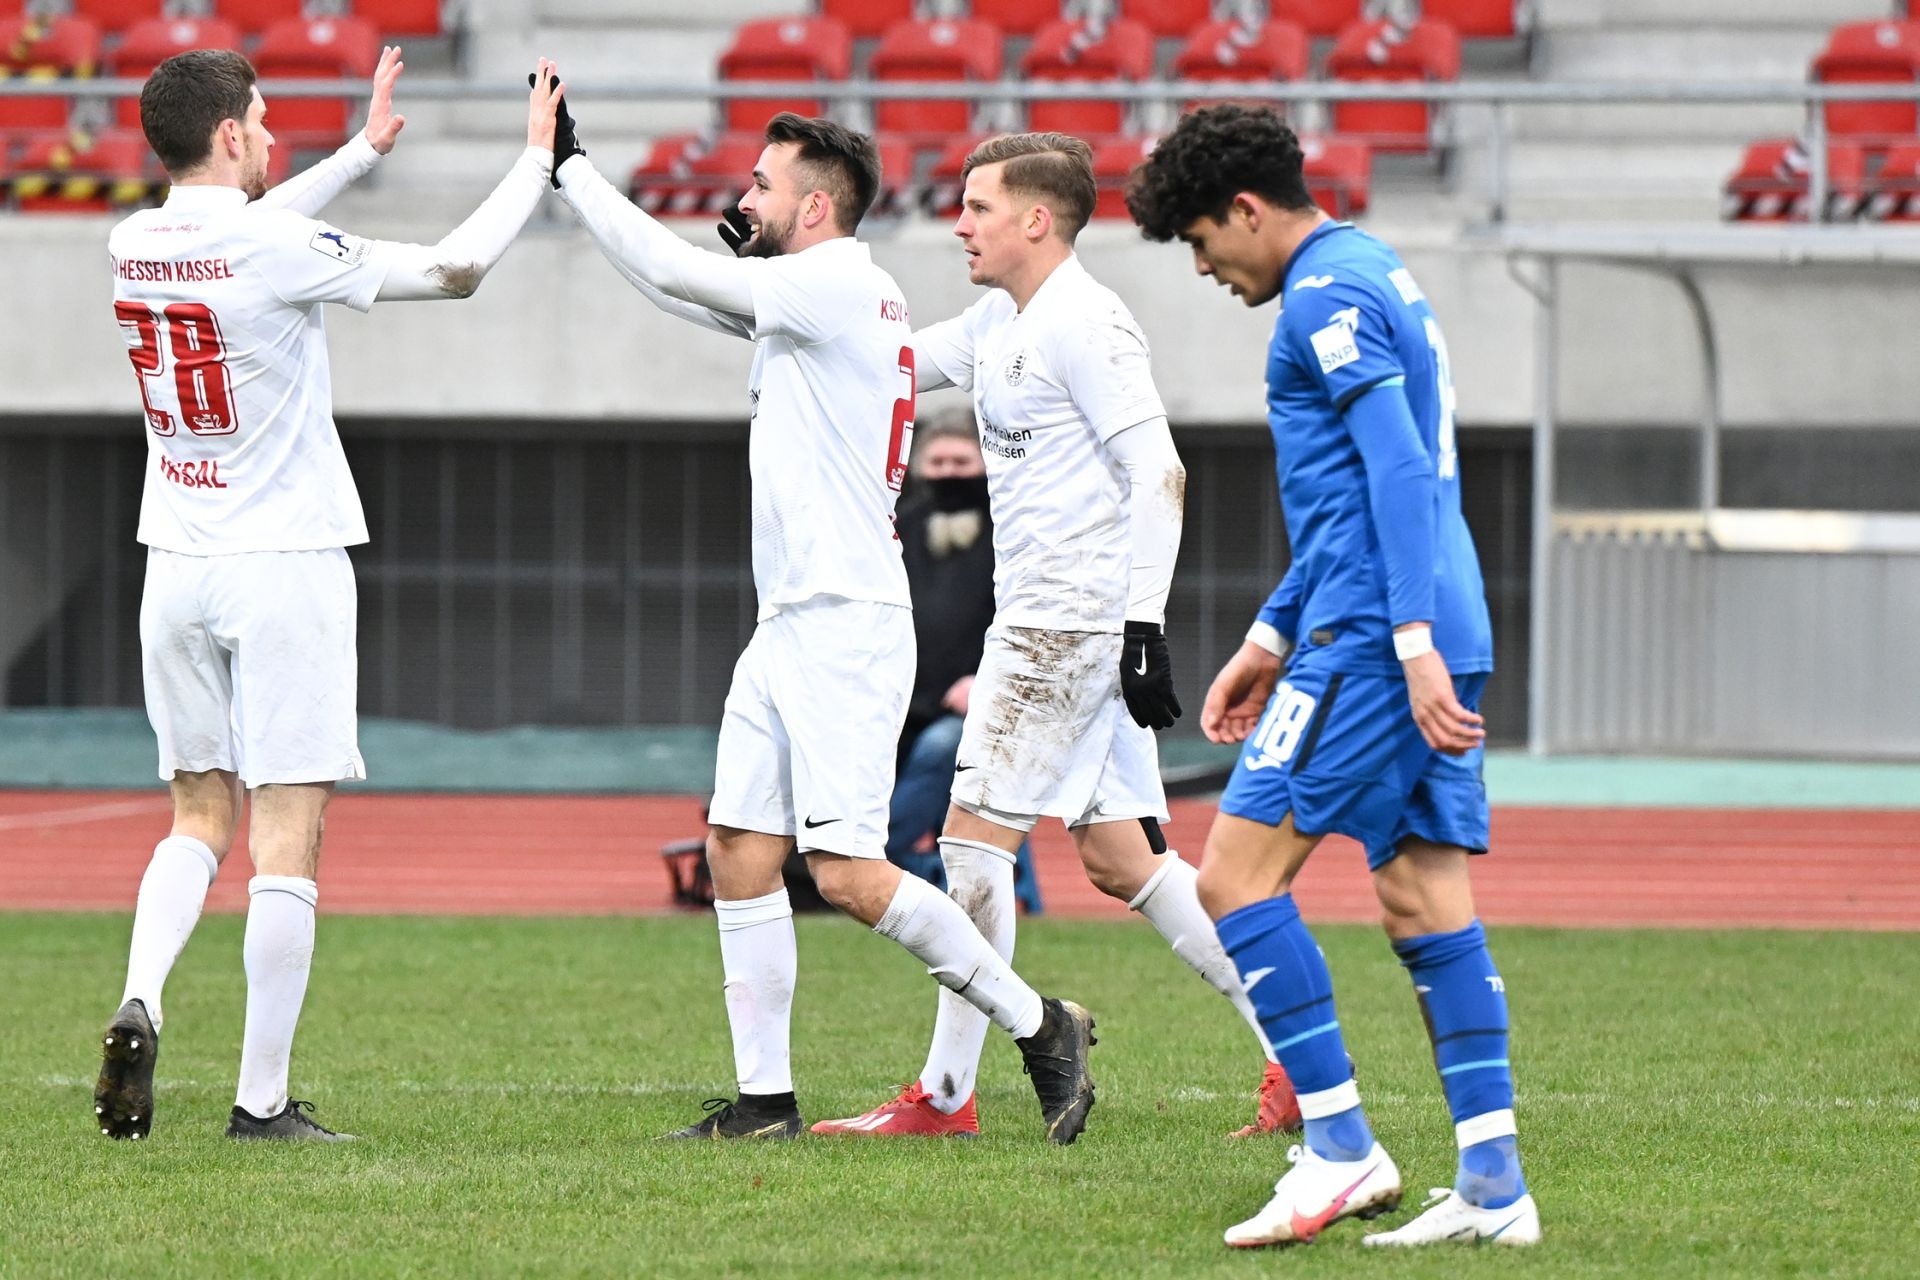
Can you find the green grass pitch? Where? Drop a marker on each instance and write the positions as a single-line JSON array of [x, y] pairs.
[[1691, 1104]]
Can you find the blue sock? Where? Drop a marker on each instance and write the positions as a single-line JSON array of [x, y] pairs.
[[1464, 1002], [1286, 978]]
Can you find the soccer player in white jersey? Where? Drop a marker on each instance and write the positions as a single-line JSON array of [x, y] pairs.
[[1086, 490], [247, 620], [807, 738]]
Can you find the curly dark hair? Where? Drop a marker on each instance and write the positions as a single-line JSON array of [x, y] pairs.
[[1212, 155]]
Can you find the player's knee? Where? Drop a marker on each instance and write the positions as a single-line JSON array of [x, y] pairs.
[[1218, 890], [839, 880]]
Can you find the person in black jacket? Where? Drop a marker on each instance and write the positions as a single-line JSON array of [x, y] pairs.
[[946, 538]]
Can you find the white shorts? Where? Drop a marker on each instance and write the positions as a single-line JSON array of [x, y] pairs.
[[249, 664], [1048, 734], [812, 724]]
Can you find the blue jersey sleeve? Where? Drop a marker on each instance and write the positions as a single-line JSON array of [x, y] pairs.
[[1403, 496], [1282, 609], [1340, 333]]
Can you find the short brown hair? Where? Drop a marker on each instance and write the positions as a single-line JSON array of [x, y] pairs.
[[187, 97], [1054, 168], [833, 159]]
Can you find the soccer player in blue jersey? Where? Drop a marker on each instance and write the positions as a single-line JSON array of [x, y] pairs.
[[1371, 729]]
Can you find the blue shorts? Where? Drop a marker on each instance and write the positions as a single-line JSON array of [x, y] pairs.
[[1341, 753]]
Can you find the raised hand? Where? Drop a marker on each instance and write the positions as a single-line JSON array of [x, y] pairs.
[[383, 127], [549, 123]]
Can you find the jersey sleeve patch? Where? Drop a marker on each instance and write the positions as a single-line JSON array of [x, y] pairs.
[[1337, 345], [339, 246]]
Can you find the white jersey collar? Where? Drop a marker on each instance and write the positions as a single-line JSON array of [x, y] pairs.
[[1061, 279], [205, 196]]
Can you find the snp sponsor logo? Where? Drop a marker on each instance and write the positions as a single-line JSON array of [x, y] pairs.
[[1279, 732], [1337, 344]]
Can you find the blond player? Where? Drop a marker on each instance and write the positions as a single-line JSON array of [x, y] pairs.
[[807, 737], [1087, 491], [247, 620]]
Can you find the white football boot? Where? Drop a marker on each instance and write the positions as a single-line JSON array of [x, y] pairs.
[[1448, 1217], [1316, 1193]]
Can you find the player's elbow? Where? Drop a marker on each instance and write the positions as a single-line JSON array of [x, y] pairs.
[[459, 279]]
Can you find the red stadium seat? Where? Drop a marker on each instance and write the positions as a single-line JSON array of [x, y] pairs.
[[1339, 173], [1772, 183], [148, 44], [1077, 52], [1896, 188], [115, 15], [39, 48], [61, 172], [896, 176], [784, 49], [933, 51], [866, 19], [1016, 17], [1871, 53], [941, 196], [316, 48], [1229, 51], [657, 180], [255, 16], [1317, 17], [688, 175], [401, 17], [1384, 51], [1475, 19], [1168, 17], [1113, 160]]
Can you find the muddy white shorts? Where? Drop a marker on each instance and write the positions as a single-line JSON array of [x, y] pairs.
[[250, 666], [1048, 734], [811, 725]]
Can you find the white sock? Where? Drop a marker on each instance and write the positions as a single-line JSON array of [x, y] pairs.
[[279, 953], [934, 928], [980, 879], [761, 962], [172, 892], [1171, 903]]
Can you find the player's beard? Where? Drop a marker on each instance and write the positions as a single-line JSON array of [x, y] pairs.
[[253, 180], [772, 240]]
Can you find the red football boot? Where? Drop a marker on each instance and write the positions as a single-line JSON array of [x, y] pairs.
[[913, 1115], [1279, 1109]]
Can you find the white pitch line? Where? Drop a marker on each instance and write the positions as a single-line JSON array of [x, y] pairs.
[[82, 813]]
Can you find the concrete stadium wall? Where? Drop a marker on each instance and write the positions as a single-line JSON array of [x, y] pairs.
[[555, 333]]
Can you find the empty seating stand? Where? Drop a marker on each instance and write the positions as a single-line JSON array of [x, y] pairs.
[[1872, 53], [1773, 182], [148, 44], [784, 49], [1339, 174], [1084, 52], [960, 51], [1475, 19], [1016, 17], [314, 49], [1318, 18], [253, 17], [37, 48], [1168, 17], [62, 172], [866, 19], [1388, 52], [1895, 194], [1229, 52], [114, 16]]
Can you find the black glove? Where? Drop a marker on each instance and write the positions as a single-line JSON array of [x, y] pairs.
[[1146, 677], [735, 229], [566, 143]]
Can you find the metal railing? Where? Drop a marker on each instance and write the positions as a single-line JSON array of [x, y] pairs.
[[1500, 97]]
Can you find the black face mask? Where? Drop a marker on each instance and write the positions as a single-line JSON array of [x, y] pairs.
[[957, 493]]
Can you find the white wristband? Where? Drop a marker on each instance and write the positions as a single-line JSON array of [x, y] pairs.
[[1413, 643], [1268, 637]]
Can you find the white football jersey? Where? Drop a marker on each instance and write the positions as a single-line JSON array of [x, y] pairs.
[[833, 391], [219, 303], [1051, 384]]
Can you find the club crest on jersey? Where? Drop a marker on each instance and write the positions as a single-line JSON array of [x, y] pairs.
[[339, 246], [1016, 370], [1335, 344]]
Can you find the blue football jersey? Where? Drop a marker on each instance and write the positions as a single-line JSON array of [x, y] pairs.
[[1353, 320]]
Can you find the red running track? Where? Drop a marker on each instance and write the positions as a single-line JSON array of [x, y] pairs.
[[596, 855]]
